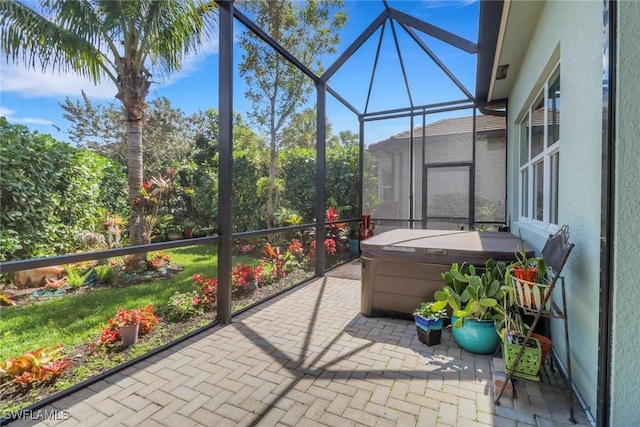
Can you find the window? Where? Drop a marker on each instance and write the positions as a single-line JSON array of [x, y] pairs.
[[540, 155]]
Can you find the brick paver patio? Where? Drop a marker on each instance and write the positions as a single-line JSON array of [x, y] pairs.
[[308, 358]]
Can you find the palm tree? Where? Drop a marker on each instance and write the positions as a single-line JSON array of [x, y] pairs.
[[116, 39]]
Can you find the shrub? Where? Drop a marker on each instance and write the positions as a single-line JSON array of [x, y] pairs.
[[106, 273], [244, 278], [207, 290], [35, 366], [183, 305], [50, 193], [111, 334]]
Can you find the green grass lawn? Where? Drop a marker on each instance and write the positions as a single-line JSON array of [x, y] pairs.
[[78, 318]]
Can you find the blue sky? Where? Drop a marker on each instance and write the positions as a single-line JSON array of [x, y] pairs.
[[32, 98]]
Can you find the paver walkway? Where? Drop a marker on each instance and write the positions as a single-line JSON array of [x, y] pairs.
[[308, 358]]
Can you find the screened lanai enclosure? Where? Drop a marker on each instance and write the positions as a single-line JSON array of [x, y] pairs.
[[307, 123]]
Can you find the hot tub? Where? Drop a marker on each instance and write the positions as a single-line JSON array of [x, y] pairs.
[[402, 268]]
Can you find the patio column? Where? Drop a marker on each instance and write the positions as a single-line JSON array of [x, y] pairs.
[[321, 170], [225, 178]]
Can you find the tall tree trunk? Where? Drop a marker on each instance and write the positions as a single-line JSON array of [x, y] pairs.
[[273, 167], [271, 190], [134, 142]]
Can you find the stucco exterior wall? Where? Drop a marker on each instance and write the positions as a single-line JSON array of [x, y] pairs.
[[625, 409], [569, 32]]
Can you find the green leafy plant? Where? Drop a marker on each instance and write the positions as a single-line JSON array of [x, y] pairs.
[[188, 225], [474, 296], [106, 273], [427, 311], [183, 305], [76, 277], [50, 193], [532, 269], [162, 224]]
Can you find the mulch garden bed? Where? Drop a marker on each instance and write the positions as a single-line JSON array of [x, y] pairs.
[[88, 361]]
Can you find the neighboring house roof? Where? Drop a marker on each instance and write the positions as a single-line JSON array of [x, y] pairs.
[[453, 126]]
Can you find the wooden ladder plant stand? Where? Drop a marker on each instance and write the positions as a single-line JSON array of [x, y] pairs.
[[555, 253]]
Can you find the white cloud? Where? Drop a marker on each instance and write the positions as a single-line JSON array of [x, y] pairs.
[[35, 83], [6, 112], [9, 114], [31, 121]]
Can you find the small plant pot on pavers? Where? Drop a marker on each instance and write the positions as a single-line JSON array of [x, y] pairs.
[[429, 330]]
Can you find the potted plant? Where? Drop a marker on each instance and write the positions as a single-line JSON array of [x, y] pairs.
[[160, 228], [476, 301], [429, 323], [187, 229], [529, 364], [128, 322], [354, 243], [513, 332], [173, 232], [528, 278]]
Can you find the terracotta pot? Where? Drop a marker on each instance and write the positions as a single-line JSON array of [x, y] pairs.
[[545, 345], [527, 282], [129, 334], [529, 274], [366, 227]]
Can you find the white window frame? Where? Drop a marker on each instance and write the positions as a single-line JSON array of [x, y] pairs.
[[526, 211]]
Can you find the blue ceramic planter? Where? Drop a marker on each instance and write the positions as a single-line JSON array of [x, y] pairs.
[[476, 336], [428, 324], [354, 247]]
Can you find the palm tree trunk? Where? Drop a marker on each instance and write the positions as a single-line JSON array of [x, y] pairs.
[[134, 142]]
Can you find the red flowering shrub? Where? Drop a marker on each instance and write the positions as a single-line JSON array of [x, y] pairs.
[[295, 247], [272, 256], [148, 320], [208, 290], [111, 334], [244, 278], [329, 247]]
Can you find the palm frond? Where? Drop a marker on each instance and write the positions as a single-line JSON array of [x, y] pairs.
[[50, 39]]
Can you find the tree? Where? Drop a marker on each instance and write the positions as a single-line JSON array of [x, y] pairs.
[[116, 39], [168, 139], [302, 128], [275, 86]]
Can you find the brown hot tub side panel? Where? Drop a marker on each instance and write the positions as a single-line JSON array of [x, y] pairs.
[[399, 286]]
